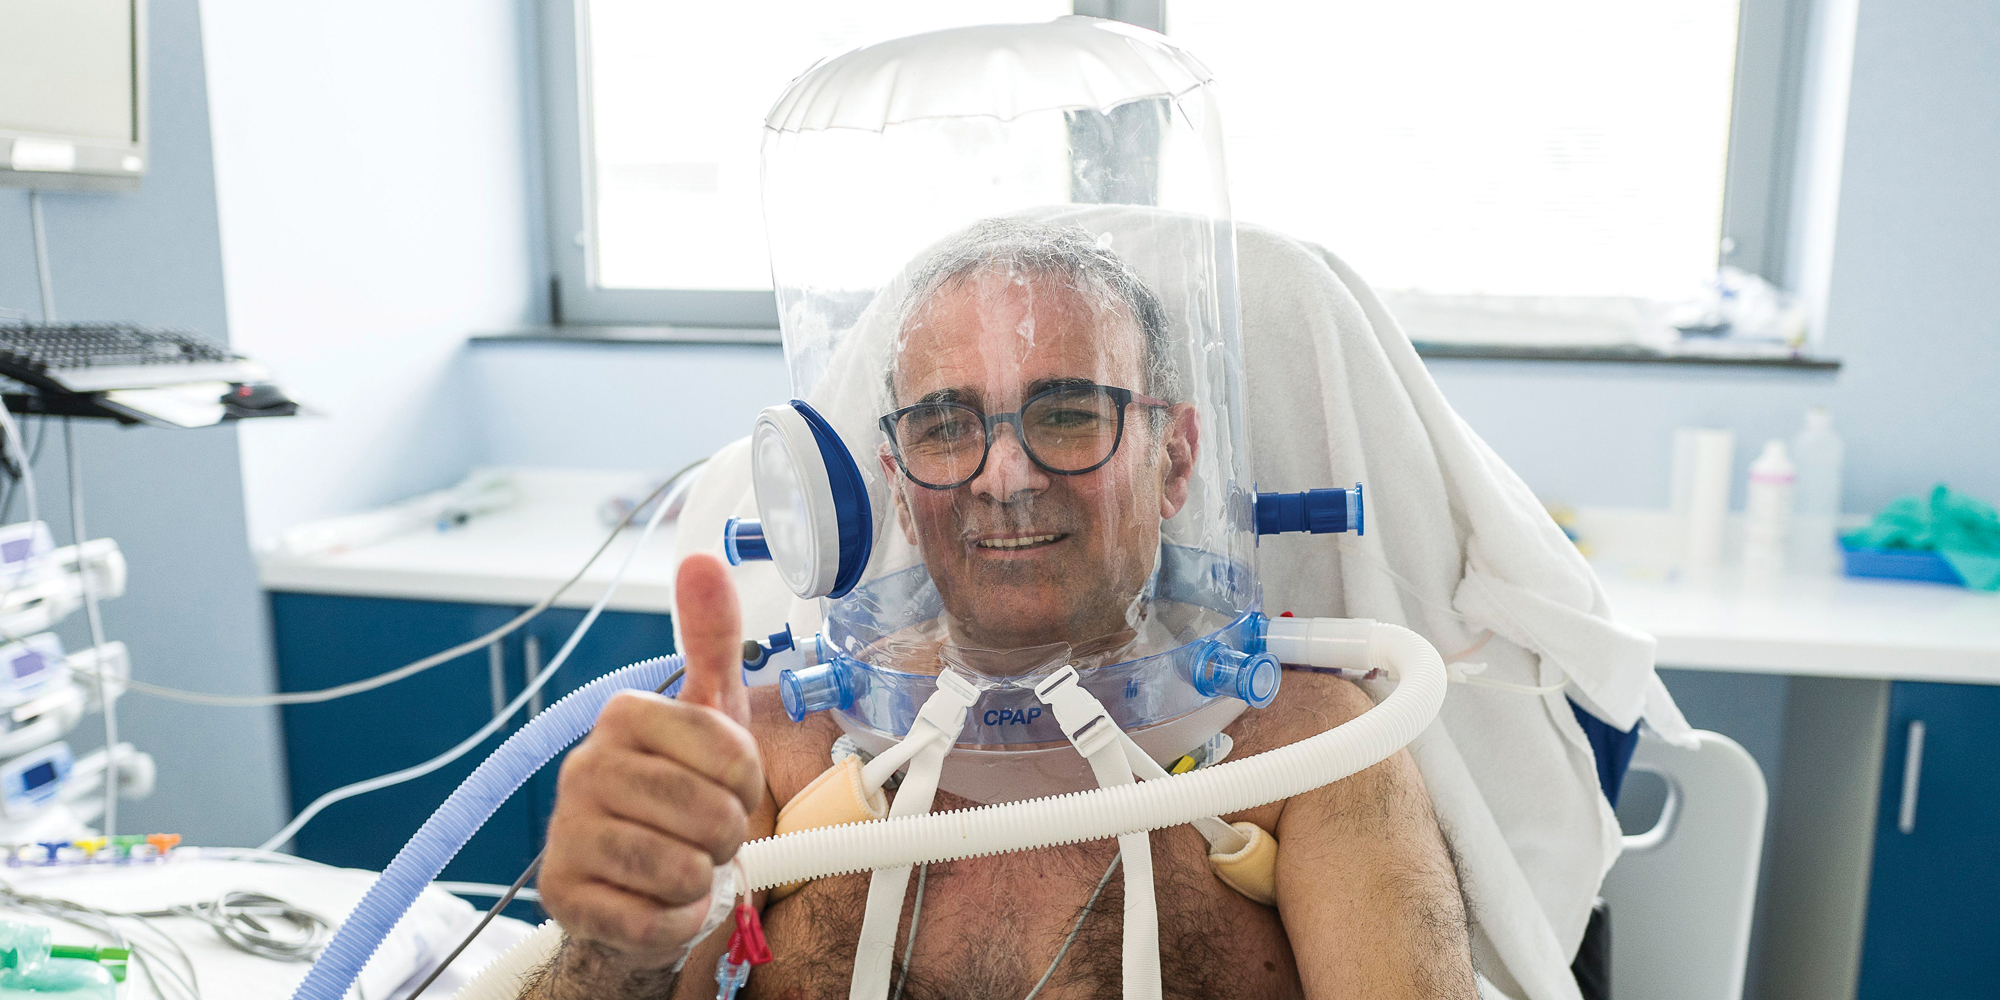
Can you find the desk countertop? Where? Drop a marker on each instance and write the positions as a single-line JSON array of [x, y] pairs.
[[1826, 626], [516, 555], [1823, 626]]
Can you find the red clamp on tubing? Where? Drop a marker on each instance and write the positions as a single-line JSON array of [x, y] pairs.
[[747, 944]]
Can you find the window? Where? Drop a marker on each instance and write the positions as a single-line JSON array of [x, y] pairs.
[[656, 171], [1537, 172], [1532, 171]]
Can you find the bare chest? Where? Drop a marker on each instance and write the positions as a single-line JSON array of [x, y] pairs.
[[993, 927]]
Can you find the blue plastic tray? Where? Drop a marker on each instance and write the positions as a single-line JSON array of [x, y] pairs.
[[1899, 564]]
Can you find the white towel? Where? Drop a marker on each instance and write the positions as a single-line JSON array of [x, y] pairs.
[[1457, 548]]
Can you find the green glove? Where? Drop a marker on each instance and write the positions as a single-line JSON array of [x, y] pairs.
[[1962, 529]]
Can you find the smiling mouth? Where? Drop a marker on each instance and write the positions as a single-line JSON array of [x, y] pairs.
[[1018, 542]]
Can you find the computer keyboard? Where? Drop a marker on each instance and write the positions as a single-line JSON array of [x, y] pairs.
[[95, 357]]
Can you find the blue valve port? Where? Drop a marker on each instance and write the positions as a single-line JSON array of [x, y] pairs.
[[743, 539], [1320, 512], [1253, 677], [757, 654], [814, 689]]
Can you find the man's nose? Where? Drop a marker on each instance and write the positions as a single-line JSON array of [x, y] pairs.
[[1009, 471]]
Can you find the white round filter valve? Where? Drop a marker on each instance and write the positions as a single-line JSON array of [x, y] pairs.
[[814, 511]]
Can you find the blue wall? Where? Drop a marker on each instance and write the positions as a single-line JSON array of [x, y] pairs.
[[617, 406], [193, 615]]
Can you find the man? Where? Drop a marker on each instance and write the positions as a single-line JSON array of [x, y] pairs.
[[1027, 546]]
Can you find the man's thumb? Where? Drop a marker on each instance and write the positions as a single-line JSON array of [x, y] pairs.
[[711, 637]]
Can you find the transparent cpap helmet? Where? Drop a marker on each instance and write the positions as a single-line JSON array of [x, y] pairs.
[[1005, 270]]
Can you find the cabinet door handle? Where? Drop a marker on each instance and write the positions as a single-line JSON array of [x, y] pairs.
[[496, 676], [1913, 772], [531, 655]]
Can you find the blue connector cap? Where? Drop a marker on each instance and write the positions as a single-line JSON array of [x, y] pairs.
[[1253, 677], [1321, 512], [744, 539], [814, 689], [730, 977], [778, 642]]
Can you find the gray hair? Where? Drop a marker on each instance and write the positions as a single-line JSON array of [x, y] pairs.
[[1069, 254]]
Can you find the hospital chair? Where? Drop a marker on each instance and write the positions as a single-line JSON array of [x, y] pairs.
[[1682, 892]]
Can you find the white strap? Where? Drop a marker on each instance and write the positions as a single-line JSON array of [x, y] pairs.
[[1090, 729], [1222, 838], [930, 738]]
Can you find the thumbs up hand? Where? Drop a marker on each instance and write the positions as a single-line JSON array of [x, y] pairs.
[[656, 796]]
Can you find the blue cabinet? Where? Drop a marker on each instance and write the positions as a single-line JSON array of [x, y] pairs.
[[326, 640], [1934, 891]]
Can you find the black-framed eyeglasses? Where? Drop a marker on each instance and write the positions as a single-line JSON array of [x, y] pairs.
[[1066, 429]]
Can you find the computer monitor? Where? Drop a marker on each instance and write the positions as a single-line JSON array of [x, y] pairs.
[[73, 94]]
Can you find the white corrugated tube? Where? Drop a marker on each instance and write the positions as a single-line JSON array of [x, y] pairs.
[[1104, 813]]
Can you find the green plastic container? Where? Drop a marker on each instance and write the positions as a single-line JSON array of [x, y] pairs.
[[69, 978], [31, 967]]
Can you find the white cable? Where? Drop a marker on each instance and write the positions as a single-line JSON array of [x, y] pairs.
[[245, 854], [1231, 786], [19, 447], [107, 703], [42, 256], [675, 485], [534, 687], [1509, 686], [488, 889]]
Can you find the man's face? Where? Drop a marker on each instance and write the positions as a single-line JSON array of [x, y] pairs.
[[1022, 556]]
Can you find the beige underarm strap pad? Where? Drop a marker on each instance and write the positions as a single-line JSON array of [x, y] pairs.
[[833, 798], [1253, 869]]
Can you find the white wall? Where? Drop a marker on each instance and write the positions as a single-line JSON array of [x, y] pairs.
[[371, 180]]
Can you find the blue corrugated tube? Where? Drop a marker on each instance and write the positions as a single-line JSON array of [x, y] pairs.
[[461, 815]]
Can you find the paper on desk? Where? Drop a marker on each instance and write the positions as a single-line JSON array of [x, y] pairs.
[[192, 404]]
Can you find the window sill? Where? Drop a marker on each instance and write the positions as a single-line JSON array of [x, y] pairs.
[[579, 333], [1607, 353], [1623, 354]]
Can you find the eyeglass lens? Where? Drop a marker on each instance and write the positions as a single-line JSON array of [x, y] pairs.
[[1065, 429]]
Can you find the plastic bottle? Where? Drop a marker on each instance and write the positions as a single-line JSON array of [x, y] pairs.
[[1768, 513], [1816, 453]]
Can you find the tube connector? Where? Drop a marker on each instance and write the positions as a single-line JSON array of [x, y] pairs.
[[1221, 670], [730, 977], [1321, 642], [758, 654], [814, 689], [743, 539], [1320, 512]]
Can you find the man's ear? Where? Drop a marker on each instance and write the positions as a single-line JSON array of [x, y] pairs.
[[893, 475], [1180, 446]]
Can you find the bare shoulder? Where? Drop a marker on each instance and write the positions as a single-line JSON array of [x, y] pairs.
[[1308, 704], [794, 752]]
